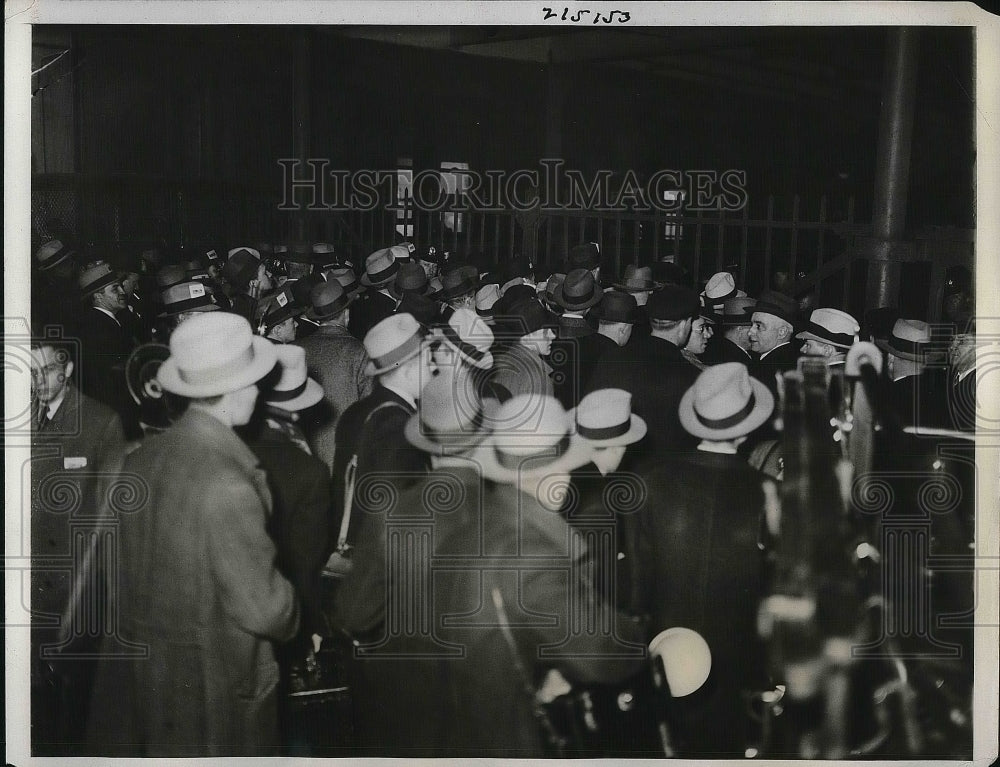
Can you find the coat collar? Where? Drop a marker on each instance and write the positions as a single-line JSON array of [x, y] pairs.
[[223, 439]]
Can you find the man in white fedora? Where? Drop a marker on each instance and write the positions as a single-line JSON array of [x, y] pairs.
[[919, 387], [829, 334], [526, 568], [371, 451], [698, 548], [606, 498], [198, 585], [720, 287], [465, 348], [300, 489], [377, 303]]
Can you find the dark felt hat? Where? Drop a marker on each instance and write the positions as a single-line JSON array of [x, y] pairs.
[[411, 278], [327, 300], [778, 304], [674, 302], [617, 307], [426, 310], [458, 281], [578, 291], [737, 311]]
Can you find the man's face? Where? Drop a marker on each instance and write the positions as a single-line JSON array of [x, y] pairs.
[[264, 279], [283, 332], [50, 370], [739, 335], [539, 340], [129, 283], [701, 331], [110, 297], [641, 298], [767, 331], [814, 348]]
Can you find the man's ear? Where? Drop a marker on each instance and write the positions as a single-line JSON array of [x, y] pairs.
[[68, 370], [785, 331]]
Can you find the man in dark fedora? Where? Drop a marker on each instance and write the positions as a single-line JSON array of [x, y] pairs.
[[617, 316], [458, 288], [198, 584], [586, 255], [53, 289], [181, 302], [246, 280], [521, 367], [772, 336], [104, 343], [639, 283], [337, 360], [698, 553], [731, 342], [410, 279], [575, 296], [654, 371], [377, 303]]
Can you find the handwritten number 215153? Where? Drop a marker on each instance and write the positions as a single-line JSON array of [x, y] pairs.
[[622, 17]]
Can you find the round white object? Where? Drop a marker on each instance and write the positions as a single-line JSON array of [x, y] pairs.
[[686, 659]]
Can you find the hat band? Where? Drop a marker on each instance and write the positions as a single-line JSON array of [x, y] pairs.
[[572, 302], [513, 461], [728, 421], [604, 432], [284, 395], [398, 354], [843, 339], [214, 373], [176, 307], [198, 275], [484, 312], [907, 347], [64, 252], [383, 274], [99, 284], [464, 347]]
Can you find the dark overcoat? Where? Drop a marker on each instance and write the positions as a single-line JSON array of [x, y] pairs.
[[198, 588], [702, 567]]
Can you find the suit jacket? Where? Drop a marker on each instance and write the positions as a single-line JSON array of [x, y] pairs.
[[922, 400], [699, 528], [368, 310], [773, 363], [199, 589], [300, 521], [104, 349], [571, 355], [80, 443], [337, 360], [487, 712], [594, 349], [657, 375], [519, 370], [721, 349]]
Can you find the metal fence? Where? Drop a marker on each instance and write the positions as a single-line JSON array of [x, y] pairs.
[[791, 244]]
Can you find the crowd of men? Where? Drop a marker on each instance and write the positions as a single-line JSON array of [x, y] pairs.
[[454, 466]]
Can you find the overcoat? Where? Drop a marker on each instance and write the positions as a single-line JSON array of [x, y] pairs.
[[519, 370], [198, 588], [657, 375], [721, 349], [368, 310], [337, 360], [773, 363], [699, 530]]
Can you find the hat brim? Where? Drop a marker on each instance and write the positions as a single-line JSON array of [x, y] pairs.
[[763, 407], [647, 287], [416, 437], [559, 297], [578, 453], [636, 431], [175, 312], [108, 279], [368, 282], [265, 357], [312, 394], [311, 313], [52, 263], [928, 355], [484, 363]]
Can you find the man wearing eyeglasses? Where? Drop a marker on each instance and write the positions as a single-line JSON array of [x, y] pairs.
[[104, 344]]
